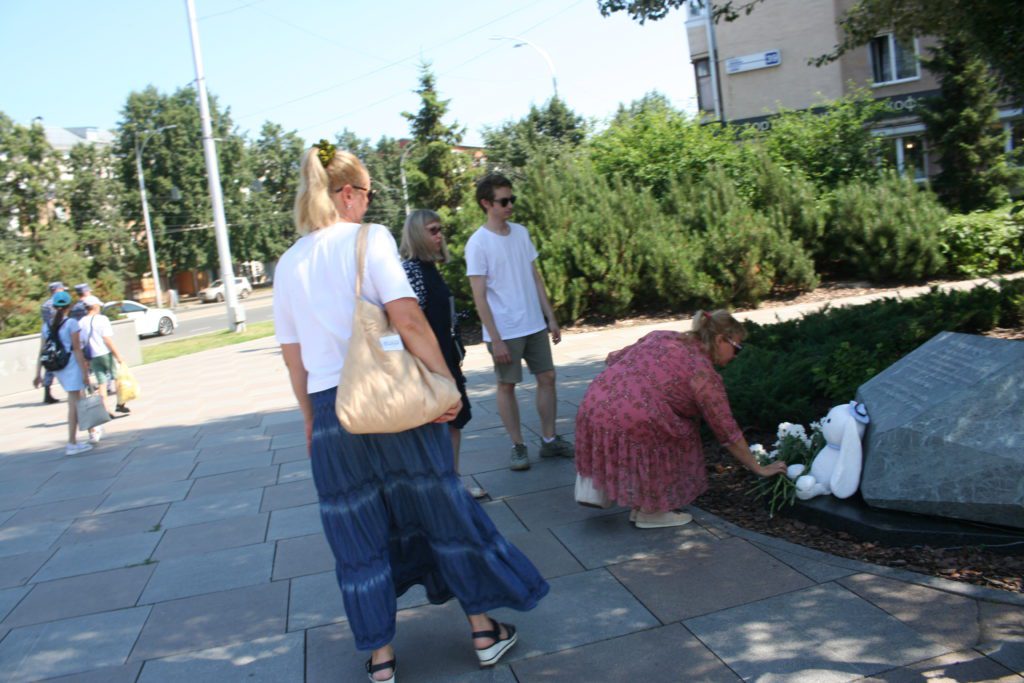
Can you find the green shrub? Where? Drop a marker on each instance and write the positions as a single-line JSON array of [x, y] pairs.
[[982, 243], [887, 230], [795, 370]]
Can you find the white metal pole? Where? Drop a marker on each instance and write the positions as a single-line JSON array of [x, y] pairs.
[[713, 58], [236, 312], [401, 173], [145, 217]]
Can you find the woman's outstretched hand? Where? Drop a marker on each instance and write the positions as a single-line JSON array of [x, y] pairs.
[[771, 469]]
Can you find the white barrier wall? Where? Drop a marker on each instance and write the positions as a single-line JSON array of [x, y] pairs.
[[18, 356]]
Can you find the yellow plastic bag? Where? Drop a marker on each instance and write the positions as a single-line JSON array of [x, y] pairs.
[[128, 388]]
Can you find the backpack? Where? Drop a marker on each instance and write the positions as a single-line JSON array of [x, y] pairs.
[[54, 356]]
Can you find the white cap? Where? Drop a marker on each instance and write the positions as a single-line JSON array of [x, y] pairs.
[[91, 301]]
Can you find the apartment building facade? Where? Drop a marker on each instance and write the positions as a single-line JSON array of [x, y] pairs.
[[749, 68]]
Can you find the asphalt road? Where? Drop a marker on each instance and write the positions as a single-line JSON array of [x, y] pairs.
[[195, 318]]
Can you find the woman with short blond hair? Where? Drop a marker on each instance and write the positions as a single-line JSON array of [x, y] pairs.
[[393, 509], [638, 426]]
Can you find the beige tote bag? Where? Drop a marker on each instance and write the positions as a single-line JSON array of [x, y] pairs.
[[384, 388]]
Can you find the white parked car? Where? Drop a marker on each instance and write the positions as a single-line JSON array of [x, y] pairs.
[[148, 320], [215, 292]]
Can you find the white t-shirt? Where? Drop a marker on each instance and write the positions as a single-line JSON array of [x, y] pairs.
[[506, 262], [93, 328], [314, 294]]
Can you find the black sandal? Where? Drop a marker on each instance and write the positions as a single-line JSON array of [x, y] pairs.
[[490, 655], [372, 668]]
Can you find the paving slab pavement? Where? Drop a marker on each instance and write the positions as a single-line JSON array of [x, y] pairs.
[[187, 546]]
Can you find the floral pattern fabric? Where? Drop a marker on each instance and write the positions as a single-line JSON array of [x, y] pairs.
[[638, 427]]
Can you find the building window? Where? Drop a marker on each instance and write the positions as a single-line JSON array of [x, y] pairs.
[[907, 155], [1015, 141], [893, 61], [702, 73]]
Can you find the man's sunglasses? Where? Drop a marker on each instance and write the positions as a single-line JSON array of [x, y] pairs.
[[505, 201]]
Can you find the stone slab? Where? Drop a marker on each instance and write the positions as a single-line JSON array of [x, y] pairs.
[[15, 570], [144, 496], [504, 519], [553, 508], [212, 508], [289, 495], [63, 511], [294, 471], [302, 555], [1002, 634], [316, 600], [230, 482], [95, 556], [51, 493], [951, 620], [707, 577], [182, 577], [233, 463], [957, 666], [80, 595], [946, 436], [815, 570], [292, 454], [548, 555], [96, 527], [214, 620], [9, 598], [611, 539], [276, 659], [822, 634], [217, 535], [70, 646], [669, 654], [28, 537], [297, 521], [542, 475], [126, 673]]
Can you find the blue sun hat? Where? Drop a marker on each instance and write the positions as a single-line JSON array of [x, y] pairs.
[[61, 300]]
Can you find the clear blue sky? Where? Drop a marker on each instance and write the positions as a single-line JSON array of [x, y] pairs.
[[319, 66]]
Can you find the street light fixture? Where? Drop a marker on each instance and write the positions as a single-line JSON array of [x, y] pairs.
[[519, 42], [139, 147]]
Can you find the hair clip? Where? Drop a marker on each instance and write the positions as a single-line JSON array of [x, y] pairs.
[[325, 151]]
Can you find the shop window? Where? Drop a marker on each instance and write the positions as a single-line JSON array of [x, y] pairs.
[[907, 154], [893, 61]]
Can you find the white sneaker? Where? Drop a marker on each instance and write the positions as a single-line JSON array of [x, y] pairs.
[[95, 434], [658, 520], [476, 492], [76, 448]]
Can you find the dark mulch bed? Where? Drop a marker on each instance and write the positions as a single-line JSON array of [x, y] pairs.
[[728, 497]]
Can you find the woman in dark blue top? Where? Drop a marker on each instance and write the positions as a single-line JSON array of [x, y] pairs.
[[422, 248]]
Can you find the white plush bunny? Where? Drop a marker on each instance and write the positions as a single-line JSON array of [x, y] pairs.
[[836, 468]]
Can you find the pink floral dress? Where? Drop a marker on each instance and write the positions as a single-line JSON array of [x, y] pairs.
[[638, 427]]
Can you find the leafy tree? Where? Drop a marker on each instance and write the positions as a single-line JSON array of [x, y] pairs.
[[271, 171], [439, 177], [21, 291], [381, 161], [95, 198], [651, 145], [543, 134], [176, 183], [831, 144], [963, 127], [31, 173], [653, 10]]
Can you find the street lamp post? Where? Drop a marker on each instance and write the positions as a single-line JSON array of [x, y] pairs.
[[139, 147], [519, 42], [401, 173]]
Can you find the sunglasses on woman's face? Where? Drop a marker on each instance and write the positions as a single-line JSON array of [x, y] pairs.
[[505, 201], [370, 194], [735, 345], [435, 230]]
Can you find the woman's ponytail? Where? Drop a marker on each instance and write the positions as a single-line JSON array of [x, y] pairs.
[[313, 206]]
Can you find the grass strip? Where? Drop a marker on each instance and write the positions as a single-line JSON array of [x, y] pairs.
[[205, 342]]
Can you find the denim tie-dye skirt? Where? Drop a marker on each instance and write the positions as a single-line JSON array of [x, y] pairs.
[[396, 514]]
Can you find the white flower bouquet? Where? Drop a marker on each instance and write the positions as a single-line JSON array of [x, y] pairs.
[[793, 446]]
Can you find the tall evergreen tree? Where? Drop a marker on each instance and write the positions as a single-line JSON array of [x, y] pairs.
[[438, 177], [963, 128], [543, 134]]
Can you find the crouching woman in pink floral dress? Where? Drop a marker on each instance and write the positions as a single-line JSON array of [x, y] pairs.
[[638, 427]]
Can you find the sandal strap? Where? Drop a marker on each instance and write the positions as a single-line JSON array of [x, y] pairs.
[[495, 631], [372, 668]]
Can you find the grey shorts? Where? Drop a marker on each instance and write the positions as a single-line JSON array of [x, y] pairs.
[[534, 348]]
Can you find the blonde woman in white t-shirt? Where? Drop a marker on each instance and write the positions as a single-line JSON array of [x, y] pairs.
[[393, 509]]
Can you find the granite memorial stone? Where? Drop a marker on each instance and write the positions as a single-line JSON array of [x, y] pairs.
[[947, 431]]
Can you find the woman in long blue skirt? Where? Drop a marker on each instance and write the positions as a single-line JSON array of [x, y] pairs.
[[393, 508]]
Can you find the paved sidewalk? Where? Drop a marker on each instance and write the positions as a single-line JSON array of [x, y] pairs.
[[187, 546]]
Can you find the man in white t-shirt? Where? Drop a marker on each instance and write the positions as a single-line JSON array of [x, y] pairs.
[[516, 315]]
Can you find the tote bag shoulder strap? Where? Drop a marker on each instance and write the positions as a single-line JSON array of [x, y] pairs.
[[361, 238]]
